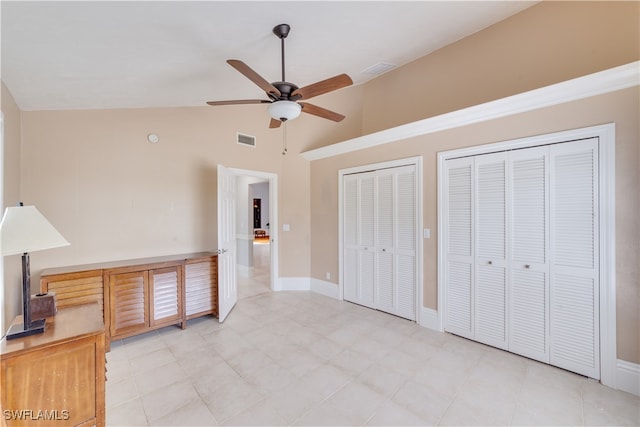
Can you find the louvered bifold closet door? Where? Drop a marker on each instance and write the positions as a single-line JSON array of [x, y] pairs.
[[350, 232], [386, 233], [367, 237], [491, 249], [529, 291], [359, 238], [458, 235], [165, 286], [574, 257], [396, 241], [405, 244]]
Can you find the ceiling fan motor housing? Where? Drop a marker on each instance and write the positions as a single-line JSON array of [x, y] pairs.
[[286, 89]]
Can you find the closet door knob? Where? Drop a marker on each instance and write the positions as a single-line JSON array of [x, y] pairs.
[[490, 262], [527, 266]]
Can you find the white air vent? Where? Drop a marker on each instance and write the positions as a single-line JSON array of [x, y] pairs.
[[379, 68], [246, 139]]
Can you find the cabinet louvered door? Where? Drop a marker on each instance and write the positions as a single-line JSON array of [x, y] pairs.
[[491, 249], [165, 288], [458, 235], [574, 257], [129, 302], [529, 290], [200, 287]]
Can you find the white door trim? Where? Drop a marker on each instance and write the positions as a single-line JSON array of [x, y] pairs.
[[417, 163], [272, 178], [606, 135]]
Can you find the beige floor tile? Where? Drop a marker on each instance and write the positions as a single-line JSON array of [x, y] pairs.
[[262, 413], [391, 414], [428, 404], [130, 413], [195, 413], [382, 379], [295, 400], [163, 401], [326, 379], [149, 380], [120, 391], [326, 414], [232, 399], [358, 400]]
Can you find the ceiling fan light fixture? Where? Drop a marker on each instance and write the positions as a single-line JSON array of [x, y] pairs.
[[284, 110]]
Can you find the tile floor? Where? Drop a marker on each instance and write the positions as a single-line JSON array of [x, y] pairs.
[[298, 358]]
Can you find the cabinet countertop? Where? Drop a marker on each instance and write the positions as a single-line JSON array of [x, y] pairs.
[[69, 323]]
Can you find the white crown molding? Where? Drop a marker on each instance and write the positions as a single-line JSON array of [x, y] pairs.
[[599, 83]]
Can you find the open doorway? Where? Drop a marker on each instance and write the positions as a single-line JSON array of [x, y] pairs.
[[256, 210]]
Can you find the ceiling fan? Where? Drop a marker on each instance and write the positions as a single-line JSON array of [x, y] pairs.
[[283, 95]]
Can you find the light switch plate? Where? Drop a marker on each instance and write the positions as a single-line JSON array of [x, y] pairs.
[[427, 233], [285, 227]]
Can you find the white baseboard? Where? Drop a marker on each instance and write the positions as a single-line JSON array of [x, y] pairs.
[[628, 377], [325, 288], [295, 284], [429, 319]]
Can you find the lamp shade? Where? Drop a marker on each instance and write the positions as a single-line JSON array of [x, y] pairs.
[[24, 229], [284, 110]]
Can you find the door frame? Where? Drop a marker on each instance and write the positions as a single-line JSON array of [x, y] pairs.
[[606, 186], [409, 161], [272, 179]]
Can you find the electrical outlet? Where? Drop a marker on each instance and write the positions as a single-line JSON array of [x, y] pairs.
[[328, 275]]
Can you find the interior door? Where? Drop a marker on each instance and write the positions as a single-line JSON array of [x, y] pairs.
[[490, 290], [227, 286], [574, 274], [459, 247], [529, 288]]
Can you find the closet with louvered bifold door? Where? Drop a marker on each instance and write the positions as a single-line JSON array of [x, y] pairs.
[[521, 261], [379, 263]]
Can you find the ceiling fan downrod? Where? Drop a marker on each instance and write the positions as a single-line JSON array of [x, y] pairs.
[[282, 31]]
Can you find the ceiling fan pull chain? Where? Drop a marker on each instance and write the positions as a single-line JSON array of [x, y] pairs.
[[284, 137]]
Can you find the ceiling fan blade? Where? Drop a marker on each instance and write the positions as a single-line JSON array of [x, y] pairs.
[[239, 102], [274, 123], [324, 86], [254, 77], [321, 112]]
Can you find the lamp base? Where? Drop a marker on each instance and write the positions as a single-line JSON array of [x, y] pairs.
[[18, 330]]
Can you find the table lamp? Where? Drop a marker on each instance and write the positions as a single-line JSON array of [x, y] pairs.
[[24, 229]]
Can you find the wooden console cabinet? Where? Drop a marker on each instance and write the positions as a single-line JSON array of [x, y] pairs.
[[56, 377], [142, 294]]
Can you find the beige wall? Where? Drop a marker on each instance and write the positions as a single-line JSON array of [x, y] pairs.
[[548, 43], [545, 44], [12, 292]]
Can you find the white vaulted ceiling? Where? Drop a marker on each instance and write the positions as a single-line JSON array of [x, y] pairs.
[[116, 54]]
